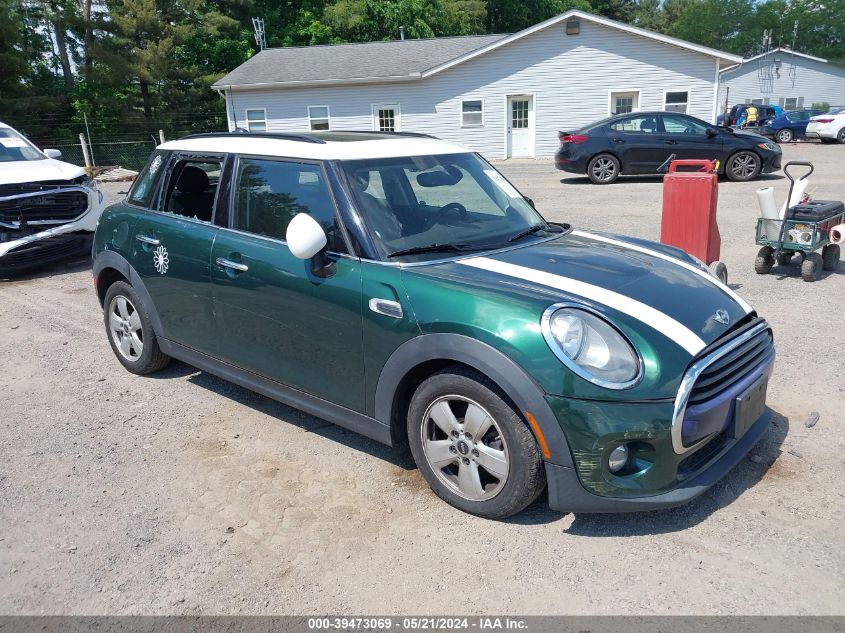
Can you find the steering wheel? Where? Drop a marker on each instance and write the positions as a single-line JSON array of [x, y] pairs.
[[446, 209]]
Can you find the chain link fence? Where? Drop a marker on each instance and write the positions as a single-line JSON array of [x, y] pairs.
[[125, 143]]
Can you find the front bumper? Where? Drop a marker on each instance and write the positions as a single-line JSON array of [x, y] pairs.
[[771, 163], [567, 494]]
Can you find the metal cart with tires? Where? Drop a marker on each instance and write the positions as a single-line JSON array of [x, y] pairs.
[[803, 234]]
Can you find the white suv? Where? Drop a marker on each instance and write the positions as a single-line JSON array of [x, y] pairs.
[[48, 208], [829, 127]]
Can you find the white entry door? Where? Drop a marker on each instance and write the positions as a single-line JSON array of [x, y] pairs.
[[520, 126]]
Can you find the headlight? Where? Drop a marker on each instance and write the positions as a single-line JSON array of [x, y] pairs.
[[769, 146], [591, 347]]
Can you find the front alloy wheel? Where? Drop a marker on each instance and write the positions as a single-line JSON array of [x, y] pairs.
[[743, 166], [472, 447], [465, 447]]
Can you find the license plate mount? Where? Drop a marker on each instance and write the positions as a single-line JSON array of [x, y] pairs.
[[750, 405]]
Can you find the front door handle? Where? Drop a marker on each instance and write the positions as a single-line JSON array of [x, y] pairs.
[[672, 142], [619, 140], [146, 239], [228, 263]]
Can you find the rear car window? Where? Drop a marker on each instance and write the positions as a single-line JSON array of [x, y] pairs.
[[145, 184], [636, 125]]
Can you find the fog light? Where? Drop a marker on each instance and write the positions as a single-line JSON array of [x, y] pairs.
[[618, 458]]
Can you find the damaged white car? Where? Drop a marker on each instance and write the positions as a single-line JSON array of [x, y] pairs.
[[48, 208]]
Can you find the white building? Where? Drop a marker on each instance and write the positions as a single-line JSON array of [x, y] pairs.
[[783, 77], [500, 95]]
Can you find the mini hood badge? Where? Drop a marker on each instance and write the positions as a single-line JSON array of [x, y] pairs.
[[722, 316]]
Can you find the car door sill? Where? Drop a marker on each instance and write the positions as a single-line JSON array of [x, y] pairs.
[[347, 418]]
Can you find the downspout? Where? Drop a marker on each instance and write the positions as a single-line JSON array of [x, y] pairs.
[[231, 124], [716, 88]]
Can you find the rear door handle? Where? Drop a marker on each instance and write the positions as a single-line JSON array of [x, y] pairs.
[[672, 142], [228, 263], [146, 239], [619, 140]]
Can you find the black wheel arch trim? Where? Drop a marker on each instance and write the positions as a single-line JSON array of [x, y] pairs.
[[509, 376], [111, 259]]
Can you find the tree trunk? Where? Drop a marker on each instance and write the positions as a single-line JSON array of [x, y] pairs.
[[87, 39], [61, 44], [146, 101]]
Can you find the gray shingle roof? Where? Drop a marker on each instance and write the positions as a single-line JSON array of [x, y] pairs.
[[348, 62]]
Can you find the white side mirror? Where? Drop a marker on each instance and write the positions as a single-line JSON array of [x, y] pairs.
[[53, 153], [305, 236]]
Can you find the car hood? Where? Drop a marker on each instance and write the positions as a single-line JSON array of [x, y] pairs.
[[21, 171], [643, 287]]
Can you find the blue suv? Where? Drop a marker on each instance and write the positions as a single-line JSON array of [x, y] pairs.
[[790, 125]]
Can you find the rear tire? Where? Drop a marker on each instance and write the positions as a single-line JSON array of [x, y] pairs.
[[784, 136], [603, 169], [472, 447], [811, 267], [130, 330], [840, 138], [765, 260], [743, 166], [830, 257]]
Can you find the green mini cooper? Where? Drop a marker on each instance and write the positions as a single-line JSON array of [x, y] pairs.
[[399, 286]]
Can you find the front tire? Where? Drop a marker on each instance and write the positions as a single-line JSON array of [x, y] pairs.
[[130, 330], [603, 169], [784, 136], [743, 166], [811, 267], [765, 260], [472, 447]]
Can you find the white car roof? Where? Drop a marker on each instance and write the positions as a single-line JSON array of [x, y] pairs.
[[319, 146]]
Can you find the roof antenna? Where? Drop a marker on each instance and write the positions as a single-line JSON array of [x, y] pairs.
[[260, 36], [402, 33]]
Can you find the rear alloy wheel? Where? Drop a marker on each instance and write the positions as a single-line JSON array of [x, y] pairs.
[[603, 169], [743, 166], [130, 330], [840, 138], [765, 260], [473, 449], [811, 267], [784, 136], [830, 257]]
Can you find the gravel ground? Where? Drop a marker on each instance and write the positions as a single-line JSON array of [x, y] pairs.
[[182, 493]]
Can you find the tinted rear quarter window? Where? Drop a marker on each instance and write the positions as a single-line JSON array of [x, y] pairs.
[[144, 188]]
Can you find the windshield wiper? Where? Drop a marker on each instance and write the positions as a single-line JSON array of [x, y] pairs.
[[437, 248], [535, 229]]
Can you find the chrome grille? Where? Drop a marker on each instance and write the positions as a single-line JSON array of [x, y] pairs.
[[731, 367], [49, 206]]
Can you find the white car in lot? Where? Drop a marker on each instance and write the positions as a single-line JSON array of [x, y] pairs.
[[829, 127], [48, 208]]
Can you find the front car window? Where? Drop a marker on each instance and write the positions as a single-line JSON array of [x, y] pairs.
[[450, 199], [683, 125], [14, 147], [269, 193]]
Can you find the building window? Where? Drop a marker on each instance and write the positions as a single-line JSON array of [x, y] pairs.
[[318, 118], [256, 120], [472, 113], [386, 117], [791, 103], [624, 102], [677, 101]]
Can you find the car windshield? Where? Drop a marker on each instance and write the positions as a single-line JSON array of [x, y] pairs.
[[14, 147], [434, 204]]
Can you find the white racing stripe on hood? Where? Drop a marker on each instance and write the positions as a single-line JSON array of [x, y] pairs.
[[647, 251], [661, 322]]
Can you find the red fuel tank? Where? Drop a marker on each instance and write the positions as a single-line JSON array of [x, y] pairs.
[[689, 209]]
